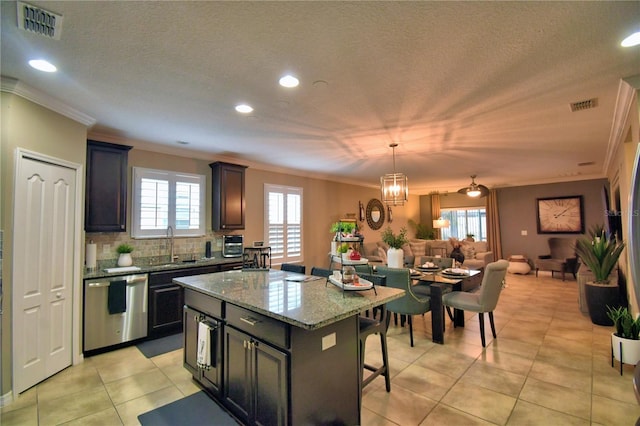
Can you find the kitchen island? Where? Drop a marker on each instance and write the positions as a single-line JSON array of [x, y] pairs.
[[283, 351]]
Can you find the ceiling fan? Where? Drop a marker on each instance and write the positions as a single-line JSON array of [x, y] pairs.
[[474, 190]]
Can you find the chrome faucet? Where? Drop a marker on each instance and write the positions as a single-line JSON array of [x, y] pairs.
[[172, 257]]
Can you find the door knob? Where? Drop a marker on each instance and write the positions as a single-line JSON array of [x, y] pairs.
[[59, 295]]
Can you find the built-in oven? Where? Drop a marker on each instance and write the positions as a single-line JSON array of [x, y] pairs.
[[232, 245], [115, 310]]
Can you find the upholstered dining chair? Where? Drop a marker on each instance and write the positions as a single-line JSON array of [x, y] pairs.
[[484, 300], [369, 326], [410, 304], [321, 272], [290, 267]]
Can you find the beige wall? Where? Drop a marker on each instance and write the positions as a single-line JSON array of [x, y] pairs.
[[31, 127]]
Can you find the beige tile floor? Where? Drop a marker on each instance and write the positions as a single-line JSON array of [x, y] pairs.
[[548, 366]]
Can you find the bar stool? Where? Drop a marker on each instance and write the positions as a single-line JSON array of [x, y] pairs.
[[370, 326]]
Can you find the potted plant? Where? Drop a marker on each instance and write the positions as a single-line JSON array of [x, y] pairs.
[[470, 237], [125, 254], [600, 252], [423, 232], [395, 255], [625, 341], [342, 229]]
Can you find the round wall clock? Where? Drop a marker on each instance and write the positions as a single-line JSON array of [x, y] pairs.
[[560, 215]]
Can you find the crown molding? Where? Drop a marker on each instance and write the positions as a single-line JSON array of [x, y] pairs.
[[16, 87], [624, 104]]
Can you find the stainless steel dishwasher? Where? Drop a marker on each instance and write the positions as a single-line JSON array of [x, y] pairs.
[[115, 310]]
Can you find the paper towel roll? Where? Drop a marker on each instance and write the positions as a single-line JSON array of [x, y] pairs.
[[90, 256]]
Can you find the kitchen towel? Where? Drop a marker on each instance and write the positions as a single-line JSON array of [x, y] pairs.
[[204, 346], [90, 258], [117, 297]]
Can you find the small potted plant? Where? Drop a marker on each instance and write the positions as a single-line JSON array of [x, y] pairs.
[[470, 237], [395, 255], [625, 341], [125, 254], [600, 252]]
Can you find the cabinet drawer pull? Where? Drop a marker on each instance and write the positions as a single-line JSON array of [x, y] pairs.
[[250, 320]]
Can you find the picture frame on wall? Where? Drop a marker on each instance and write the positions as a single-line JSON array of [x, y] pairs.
[[560, 215]]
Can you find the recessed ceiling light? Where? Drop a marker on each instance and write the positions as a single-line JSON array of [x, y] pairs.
[[244, 108], [289, 81], [632, 40], [42, 65]]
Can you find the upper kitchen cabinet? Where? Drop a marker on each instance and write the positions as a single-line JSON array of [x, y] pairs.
[[228, 205], [106, 187]]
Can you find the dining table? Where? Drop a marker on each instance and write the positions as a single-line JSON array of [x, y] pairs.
[[435, 283]]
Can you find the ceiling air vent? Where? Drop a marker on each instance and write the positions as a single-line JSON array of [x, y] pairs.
[[39, 21], [582, 105]]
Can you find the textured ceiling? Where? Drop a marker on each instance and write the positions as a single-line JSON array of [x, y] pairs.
[[463, 87]]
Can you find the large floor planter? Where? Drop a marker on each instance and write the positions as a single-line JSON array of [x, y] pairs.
[[598, 297], [626, 351]]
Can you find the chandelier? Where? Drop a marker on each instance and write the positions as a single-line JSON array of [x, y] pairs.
[[394, 187]]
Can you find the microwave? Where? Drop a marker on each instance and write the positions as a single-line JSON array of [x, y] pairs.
[[232, 245]]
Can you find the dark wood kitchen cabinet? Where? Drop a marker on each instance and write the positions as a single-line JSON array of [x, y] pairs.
[[210, 378], [228, 196], [255, 377], [166, 300], [106, 187]]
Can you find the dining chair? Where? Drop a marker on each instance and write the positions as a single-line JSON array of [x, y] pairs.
[[369, 326], [410, 304], [290, 267], [321, 272], [484, 300], [363, 269]]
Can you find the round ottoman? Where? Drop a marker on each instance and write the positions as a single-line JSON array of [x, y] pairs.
[[518, 264]]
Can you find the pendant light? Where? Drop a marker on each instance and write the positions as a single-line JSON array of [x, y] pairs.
[[394, 186]]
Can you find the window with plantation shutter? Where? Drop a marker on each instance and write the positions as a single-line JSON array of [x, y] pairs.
[[162, 198], [283, 223]]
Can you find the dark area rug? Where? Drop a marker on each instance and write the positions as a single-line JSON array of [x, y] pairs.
[[194, 410], [151, 348]]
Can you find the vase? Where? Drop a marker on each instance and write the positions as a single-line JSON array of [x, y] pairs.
[[125, 259], [334, 247], [395, 258], [630, 349]]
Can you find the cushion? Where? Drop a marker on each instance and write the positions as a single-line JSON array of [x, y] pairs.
[[382, 254], [469, 251], [479, 246], [406, 248], [418, 248]]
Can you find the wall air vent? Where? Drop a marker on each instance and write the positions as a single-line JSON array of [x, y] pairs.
[[39, 21], [582, 105]]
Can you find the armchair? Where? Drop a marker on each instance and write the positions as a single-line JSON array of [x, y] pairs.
[[562, 257]]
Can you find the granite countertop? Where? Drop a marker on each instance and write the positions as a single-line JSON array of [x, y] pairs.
[[309, 304], [145, 267]]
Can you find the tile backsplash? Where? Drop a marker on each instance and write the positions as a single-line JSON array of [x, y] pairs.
[[185, 248]]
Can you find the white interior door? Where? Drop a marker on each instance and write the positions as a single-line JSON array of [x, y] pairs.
[[43, 235]]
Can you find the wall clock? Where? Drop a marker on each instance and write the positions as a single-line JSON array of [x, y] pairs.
[[560, 215]]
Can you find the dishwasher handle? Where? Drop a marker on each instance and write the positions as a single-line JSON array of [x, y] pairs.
[[138, 280]]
